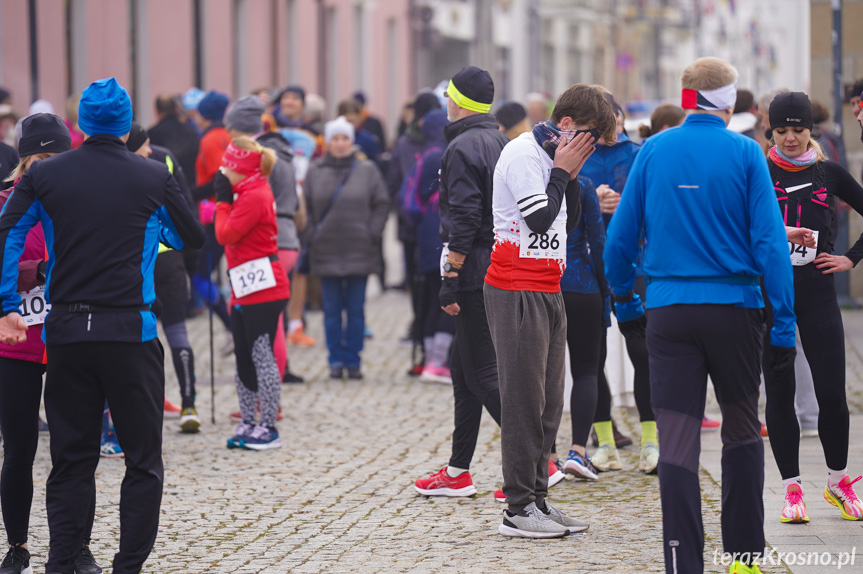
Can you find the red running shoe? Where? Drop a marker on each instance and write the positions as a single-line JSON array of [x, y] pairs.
[[710, 424], [499, 495], [440, 484], [171, 410]]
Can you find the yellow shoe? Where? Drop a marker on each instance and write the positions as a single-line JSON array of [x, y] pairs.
[[740, 568], [605, 458]]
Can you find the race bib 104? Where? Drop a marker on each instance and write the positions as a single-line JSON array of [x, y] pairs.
[[548, 245], [33, 306], [802, 255], [252, 276]]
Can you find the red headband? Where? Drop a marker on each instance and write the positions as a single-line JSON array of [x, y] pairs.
[[242, 161]]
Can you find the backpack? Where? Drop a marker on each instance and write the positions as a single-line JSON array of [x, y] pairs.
[[411, 201]]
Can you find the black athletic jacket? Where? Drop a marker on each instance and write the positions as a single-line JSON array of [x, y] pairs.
[[104, 211], [467, 175]]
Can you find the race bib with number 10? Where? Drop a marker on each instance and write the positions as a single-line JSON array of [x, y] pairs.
[[802, 255], [548, 245], [252, 276], [33, 306]]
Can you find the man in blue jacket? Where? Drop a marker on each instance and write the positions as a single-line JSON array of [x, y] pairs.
[[104, 211], [703, 198]]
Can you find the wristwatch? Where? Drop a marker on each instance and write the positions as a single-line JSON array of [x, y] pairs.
[[623, 298], [448, 267]]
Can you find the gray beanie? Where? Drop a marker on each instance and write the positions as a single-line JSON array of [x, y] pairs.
[[245, 115]]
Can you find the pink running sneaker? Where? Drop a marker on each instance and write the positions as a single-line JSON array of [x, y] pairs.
[[842, 496], [794, 509], [441, 484], [432, 374]]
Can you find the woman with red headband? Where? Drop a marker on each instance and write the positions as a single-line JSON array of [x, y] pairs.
[[246, 226]]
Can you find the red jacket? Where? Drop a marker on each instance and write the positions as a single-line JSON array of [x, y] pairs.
[[33, 349], [248, 230], [213, 146]]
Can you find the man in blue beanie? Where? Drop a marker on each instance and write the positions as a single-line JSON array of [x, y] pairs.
[[104, 211]]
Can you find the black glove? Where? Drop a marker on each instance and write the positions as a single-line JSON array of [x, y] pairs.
[[223, 189], [783, 359], [636, 328], [448, 291]]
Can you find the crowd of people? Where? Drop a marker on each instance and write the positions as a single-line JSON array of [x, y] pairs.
[[526, 231]]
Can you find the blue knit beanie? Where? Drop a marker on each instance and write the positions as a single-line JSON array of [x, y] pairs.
[[105, 108], [212, 107]]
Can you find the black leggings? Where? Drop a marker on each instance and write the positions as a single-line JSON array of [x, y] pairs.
[[585, 336], [20, 396], [822, 336], [636, 348]]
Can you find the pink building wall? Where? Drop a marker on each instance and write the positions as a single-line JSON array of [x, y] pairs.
[[101, 41]]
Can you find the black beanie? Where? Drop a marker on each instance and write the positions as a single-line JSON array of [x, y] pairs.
[[43, 133], [791, 109], [137, 136], [294, 89], [425, 103], [510, 114], [475, 83]]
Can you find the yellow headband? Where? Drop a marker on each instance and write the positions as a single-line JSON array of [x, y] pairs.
[[463, 101]]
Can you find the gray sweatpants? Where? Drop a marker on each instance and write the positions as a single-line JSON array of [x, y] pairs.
[[528, 329]]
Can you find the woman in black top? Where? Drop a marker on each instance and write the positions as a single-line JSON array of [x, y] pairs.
[[808, 188]]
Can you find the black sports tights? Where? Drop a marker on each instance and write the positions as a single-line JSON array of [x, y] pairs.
[[20, 396], [585, 337], [823, 338], [637, 350]]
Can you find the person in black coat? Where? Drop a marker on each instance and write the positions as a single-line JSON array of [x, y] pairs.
[[170, 132], [104, 211]]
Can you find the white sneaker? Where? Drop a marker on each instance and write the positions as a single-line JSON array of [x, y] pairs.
[[531, 523], [649, 458], [554, 474], [606, 458]]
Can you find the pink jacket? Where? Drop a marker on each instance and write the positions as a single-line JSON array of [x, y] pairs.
[[33, 349]]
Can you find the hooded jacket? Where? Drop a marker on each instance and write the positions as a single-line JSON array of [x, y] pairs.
[[284, 186], [467, 175], [610, 165], [247, 228], [346, 242]]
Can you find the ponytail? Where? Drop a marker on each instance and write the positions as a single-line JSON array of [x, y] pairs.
[[268, 156]]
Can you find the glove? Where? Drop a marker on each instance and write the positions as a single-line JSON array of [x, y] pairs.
[[223, 189], [448, 291], [631, 318], [40, 271], [783, 359]]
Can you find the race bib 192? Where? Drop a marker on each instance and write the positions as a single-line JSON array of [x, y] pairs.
[[548, 245], [252, 276], [802, 255], [33, 306]]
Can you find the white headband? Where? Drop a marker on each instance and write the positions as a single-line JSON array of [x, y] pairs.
[[722, 98]]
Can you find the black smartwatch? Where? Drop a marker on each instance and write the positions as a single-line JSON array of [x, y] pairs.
[[40, 272], [450, 268]]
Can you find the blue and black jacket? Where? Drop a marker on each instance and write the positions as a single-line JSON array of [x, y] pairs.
[[104, 211]]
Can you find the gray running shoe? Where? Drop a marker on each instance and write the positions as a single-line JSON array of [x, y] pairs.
[[531, 523], [573, 524]]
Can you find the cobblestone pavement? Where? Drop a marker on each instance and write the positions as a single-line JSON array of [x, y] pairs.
[[339, 497]]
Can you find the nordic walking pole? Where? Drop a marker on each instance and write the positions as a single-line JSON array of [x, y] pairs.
[[211, 288]]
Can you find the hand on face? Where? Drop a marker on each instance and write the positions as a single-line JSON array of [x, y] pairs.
[[571, 155]]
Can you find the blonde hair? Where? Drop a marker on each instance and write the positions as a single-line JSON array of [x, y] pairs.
[[708, 74], [268, 156], [811, 145], [25, 164]]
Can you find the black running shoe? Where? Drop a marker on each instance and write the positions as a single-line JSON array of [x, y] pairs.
[[85, 563], [17, 561]]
